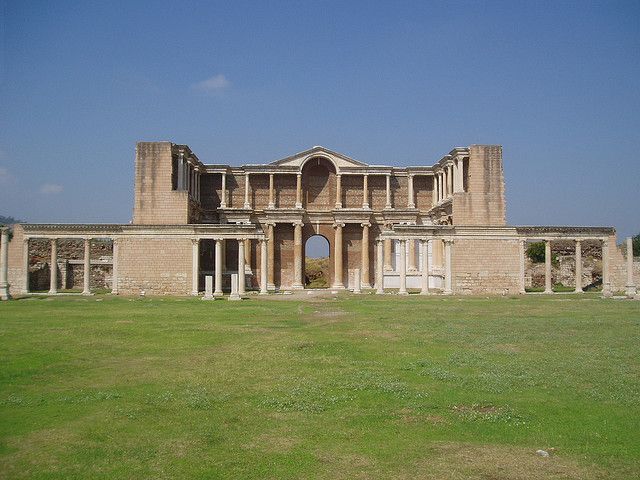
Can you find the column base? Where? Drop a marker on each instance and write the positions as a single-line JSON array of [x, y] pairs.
[[631, 291], [263, 293], [447, 292], [607, 293], [234, 297], [87, 294], [298, 205], [547, 291], [366, 285], [271, 287], [52, 292], [4, 292], [297, 286], [403, 293], [337, 286], [578, 290]]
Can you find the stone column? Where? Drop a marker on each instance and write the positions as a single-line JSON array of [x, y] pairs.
[[271, 196], [578, 266], [271, 255], [521, 250], [412, 255], [299, 190], [223, 263], [223, 192], [53, 267], [411, 203], [218, 269], [450, 180], [337, 257], [425, 267], [338, 191], [114, 266], [547, 267], [263, 266], [403, 268], [4, 263], [195, 264], [606, 281], [440, 196], [247, 255], [246, 205], [445, 182], [297, 256], [388, 265], [631, 286], [241, 278], [25, 264], [87, 267], [379, 267], [388, 204], [447, 267], [365, 192], [365, 255], [434, 192]]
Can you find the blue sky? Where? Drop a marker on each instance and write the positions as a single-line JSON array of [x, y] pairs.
[[556, 83]]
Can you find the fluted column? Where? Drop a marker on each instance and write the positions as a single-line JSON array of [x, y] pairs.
[[271, 256], [337, 257], [425, 267], [521, 251], [434, 192], [547, 267], [53, 269], [263, 267], [25, 265], [87, 267], [241, 277], [4, 263], [411, 203], [578, 266], [195, 265], [388, 204], [247, 204], [299, 190], [297, 256], [247, 254], [631, 285], [271, 191], [223, 191], [379, 266], [338, 191], [218, 269], [365, 192], [606, 280], [447, 267], [365, 255], [403, 268]]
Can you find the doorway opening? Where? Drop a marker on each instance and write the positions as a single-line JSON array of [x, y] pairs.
[[317, 271]]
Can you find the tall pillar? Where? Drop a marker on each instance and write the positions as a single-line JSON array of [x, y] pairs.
[[4, 263], [388, 265], [447, 267], [263, 266], [297, 256], [53, 269], [299, 190], [440, 196], [450, 180], [247, 254], [521, 250], [412, 255], [631, 285], [425, 267], [411, 203], [578, 266], [241, 277], [87, 267], [271, 255], [223, 263], [606, 280], [195, 265], [388, 204], [445, 182], [223, 191], [379, 267], [338, 191], [337, 257], [434, 192], [218, 269], [547, 267], [403, 268], [365, 192], [114, 265], [25, 265], [271, 196], [365, 255], [246, 205]]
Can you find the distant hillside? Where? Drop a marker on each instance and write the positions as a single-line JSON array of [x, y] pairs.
[[317, 272]]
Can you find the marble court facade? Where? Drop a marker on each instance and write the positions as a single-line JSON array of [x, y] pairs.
[[438, 229]]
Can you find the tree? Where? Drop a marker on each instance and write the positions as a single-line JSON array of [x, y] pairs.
[[535, 252], [636, 245], [8, 220]]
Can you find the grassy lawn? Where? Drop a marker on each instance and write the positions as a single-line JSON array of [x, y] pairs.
[[348, 387]]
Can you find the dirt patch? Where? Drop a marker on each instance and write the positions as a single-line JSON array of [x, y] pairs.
[[273, 442], [409, 416]]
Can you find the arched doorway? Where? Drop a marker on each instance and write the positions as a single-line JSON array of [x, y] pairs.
[[317, 264]]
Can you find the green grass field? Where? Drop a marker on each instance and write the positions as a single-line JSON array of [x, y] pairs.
[[347, 387]]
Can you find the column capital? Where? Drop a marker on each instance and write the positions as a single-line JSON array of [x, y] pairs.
[[448, 241], [365, 224], [338, 224], [297, 224], [195, 241]]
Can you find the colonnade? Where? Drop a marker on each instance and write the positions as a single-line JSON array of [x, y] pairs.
[[189, 175], [448, 179]]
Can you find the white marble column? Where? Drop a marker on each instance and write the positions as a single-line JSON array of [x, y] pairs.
[[578, 267], [263, 266], [365, 256], [87, 267], [521, 251], [450, 180], [440, 195], [425, 267], [403, 268], [411, 203], [115, 247], [297, 256], [271, 255], [241, 266], [411, 255], [447, 267], [547, 267], [218, 269], [53, 268], [271, 191], [365, 192], [223, 192], [388, 204], [338, 191], [379, 267], [247, 204], [606, 280], [195, 265], [247, 255], [434, 192], [631, 285], [4, 263], [337, 256], [299, 190], [25, 265]]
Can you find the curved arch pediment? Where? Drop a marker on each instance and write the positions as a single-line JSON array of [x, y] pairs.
[[299, 159]]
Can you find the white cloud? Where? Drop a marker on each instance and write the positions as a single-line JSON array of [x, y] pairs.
[[51, 189], [215, 84]]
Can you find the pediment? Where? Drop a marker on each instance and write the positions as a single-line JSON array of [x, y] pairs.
[[338, 159]]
